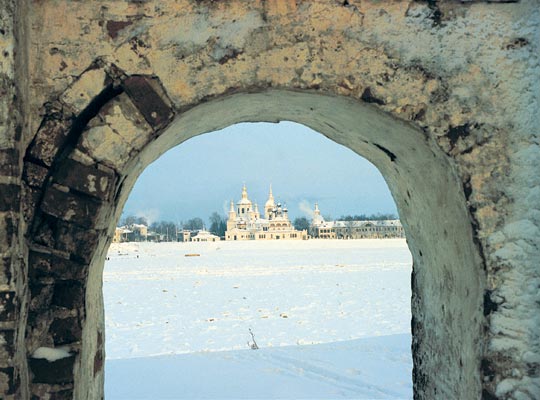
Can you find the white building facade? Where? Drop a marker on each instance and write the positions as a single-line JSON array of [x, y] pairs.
[[245, 221], [382, 229], [205, 236]]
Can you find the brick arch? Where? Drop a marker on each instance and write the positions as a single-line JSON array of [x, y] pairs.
[[73, 174], [87, 154]]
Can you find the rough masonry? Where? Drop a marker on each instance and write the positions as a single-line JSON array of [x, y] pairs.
[[442, 96]]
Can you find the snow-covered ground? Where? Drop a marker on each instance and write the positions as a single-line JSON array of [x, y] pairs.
[[178, 327]]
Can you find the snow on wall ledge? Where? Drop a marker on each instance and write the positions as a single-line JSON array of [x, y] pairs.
[[441, 96]]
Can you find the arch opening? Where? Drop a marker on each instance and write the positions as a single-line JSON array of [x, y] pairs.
[[310, 309], [325, 290]]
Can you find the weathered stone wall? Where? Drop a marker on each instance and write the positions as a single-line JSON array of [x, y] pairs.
[[441, 96], [13, 272]]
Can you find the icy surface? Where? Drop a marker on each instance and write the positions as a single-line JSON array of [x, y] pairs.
[[348, 300]]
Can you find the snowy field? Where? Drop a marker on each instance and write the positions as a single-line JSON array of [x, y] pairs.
[[331, 320]]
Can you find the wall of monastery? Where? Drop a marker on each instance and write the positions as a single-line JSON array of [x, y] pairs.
[[441, 96]]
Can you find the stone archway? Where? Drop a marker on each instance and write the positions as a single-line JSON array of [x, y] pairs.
[[109, 91], [80, 191]]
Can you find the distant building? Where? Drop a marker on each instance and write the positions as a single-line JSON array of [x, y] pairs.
[[140, 230], [246, 223], [184, 236], [322, 229], [205, 236], [117, 238], [131, 233], [153, 237]]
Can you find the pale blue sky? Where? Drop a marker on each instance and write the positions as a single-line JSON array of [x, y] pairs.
[[205, 173]]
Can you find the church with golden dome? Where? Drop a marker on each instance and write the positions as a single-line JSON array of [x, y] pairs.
[[245, 221]]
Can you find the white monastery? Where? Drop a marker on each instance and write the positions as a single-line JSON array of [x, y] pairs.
[[245, 222]]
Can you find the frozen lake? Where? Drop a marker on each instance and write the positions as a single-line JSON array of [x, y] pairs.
[[348, 300]]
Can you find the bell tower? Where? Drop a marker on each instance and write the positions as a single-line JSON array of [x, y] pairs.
[[269, 206]]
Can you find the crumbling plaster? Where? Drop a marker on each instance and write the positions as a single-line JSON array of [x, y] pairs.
[[441, 96]]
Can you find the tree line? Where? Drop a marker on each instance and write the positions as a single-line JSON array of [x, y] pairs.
[[217, 226], [366, 217], [302, 223]]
